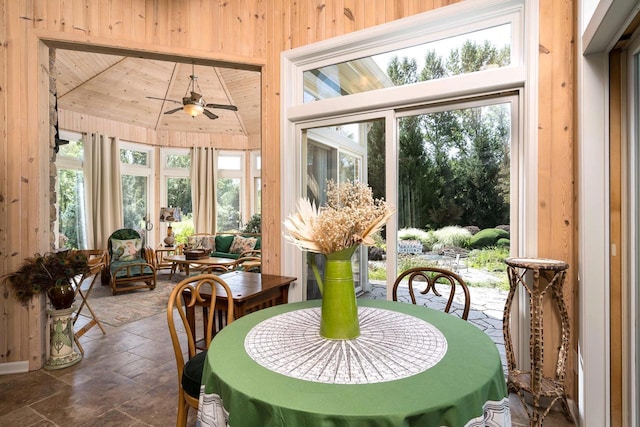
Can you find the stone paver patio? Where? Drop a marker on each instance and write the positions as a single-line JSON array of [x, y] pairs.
[[486, 311]]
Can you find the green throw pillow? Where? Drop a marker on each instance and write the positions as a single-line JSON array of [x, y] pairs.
[[223, 243]]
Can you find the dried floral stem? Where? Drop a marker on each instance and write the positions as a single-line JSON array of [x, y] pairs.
[[350, 217]]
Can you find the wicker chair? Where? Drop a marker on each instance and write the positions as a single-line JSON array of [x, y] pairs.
[[427, 278], [130, 265], [187, 293]]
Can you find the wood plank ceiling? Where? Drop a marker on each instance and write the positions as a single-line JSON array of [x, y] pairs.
[[117, 88]]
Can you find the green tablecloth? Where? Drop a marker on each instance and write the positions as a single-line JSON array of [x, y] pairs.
[[467, 387]]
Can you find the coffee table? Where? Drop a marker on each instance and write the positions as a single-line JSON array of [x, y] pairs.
[[180, 260]]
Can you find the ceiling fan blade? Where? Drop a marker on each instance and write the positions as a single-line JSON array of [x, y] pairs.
[[223, 107], [164, 99], [173, 111], [209, 114]]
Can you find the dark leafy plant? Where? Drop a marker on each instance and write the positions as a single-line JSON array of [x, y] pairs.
[[254, 225], [43, 272]]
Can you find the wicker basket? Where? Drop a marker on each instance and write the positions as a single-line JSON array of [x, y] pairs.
[[192, 254]]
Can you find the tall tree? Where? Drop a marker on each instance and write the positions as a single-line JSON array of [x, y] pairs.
[[453, 164], [376, 158]]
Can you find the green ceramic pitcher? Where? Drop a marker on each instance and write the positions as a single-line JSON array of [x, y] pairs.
[[339, 313]]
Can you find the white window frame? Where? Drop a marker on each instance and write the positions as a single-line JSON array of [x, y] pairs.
[[631, 247], [140, 170], [63, 162], [231, 173], [460, 18], [166, 173], [600, 26], [255, 173]]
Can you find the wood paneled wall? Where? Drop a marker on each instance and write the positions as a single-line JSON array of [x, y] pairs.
[[86, 123], [557, 225], [207, 29], [245, 31]]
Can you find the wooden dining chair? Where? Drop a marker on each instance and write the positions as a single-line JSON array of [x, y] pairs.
[[248, 263], [425, 279], [187, 294]]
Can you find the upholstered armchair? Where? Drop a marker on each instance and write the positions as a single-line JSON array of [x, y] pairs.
[[130, 265]]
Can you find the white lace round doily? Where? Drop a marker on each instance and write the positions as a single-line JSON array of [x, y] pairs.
[[391, 346]]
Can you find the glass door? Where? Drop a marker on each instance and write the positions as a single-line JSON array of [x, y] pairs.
[[335, 153]]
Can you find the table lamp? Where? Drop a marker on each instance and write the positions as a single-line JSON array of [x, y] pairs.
[[170, 215]]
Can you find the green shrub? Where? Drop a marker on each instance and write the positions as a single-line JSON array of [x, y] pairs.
[[487, 237], [407, 262], [378, 272], [452, 236], [427, 238], [186, 230], [489, 259], [411, 234], [254, 225], [378, 240], [503, 243]]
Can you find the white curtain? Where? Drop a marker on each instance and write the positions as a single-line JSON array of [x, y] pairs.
[[103, 187], [203, 187]]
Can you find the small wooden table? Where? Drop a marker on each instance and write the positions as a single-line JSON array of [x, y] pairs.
[[162, 252], [251, 292], [222, 263]]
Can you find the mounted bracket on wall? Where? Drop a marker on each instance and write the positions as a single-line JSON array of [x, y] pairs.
[[58, 142]]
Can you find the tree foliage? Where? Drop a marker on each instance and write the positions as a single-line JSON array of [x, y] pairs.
[[453, 164]]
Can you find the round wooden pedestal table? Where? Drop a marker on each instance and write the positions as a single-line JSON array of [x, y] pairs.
[[537, 277], [61, 352]]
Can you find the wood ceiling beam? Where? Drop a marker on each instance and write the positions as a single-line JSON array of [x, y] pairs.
[[95, 76], [170, 86], [230, 100]]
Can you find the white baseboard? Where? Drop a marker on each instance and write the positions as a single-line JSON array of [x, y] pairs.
[[14, 367]]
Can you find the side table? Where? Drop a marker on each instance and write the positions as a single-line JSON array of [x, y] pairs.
[[163, 251], [97, 261], [545, 275]]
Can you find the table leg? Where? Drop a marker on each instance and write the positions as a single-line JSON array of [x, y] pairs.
[[174, 265], [94, 320]]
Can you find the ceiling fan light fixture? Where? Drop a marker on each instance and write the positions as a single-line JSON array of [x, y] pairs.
[[193, 109]]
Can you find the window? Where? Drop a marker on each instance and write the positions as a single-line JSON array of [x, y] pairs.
[[229, 188], [457, 61], [175, 187], [136, 170], [70, 191], [444, 57]]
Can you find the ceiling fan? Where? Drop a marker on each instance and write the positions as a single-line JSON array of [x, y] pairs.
[[194, 104]]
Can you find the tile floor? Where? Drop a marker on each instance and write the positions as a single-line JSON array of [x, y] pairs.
[[126, 378]]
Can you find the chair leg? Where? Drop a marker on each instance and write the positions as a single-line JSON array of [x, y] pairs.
[[183, 410]]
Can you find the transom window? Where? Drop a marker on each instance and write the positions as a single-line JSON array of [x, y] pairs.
[[443, 58]]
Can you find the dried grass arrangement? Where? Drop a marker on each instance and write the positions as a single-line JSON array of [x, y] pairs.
[[350, 217]]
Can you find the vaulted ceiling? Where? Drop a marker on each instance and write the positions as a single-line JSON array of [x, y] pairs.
[[118, 88]]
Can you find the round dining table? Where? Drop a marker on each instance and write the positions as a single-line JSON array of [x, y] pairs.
[[411, 366]]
